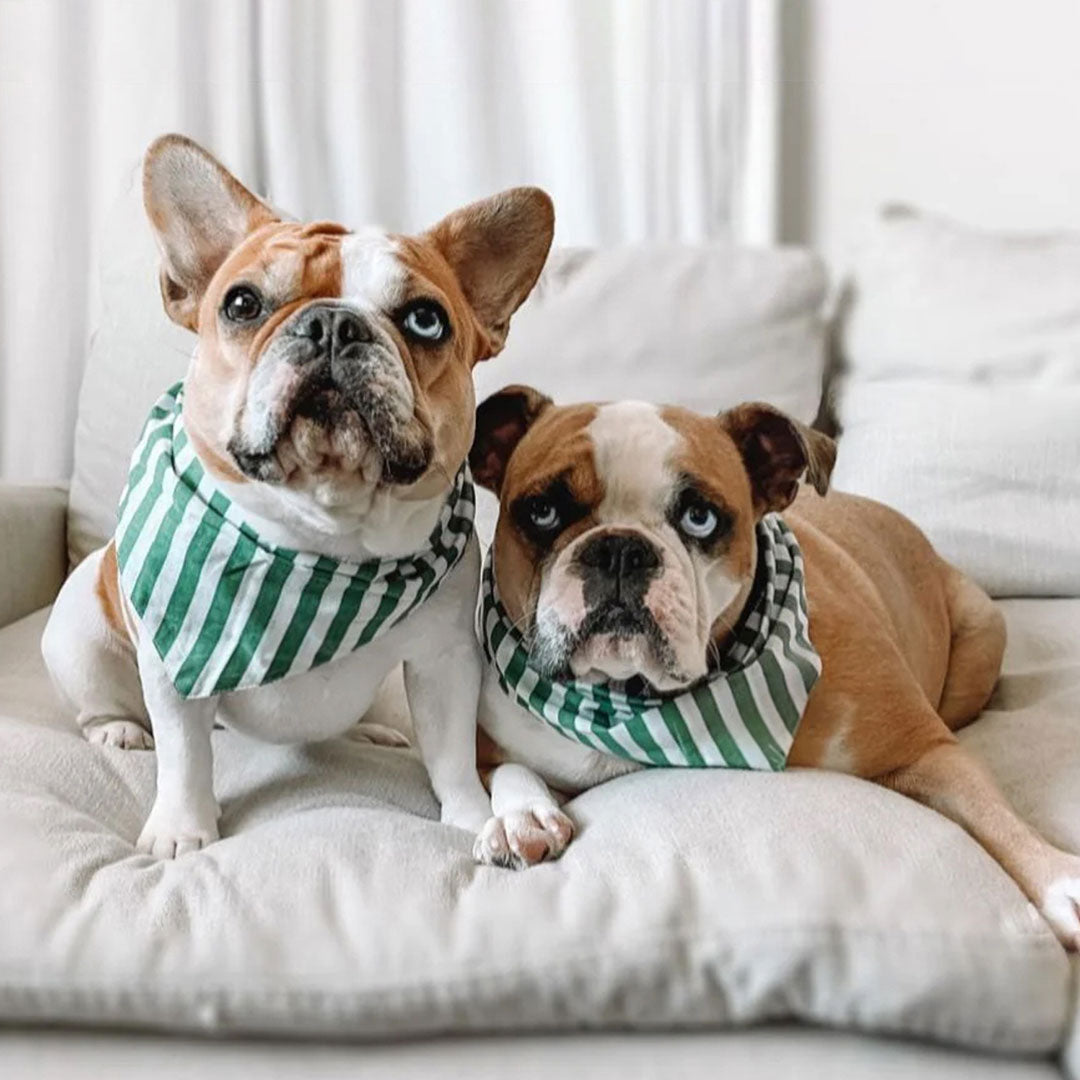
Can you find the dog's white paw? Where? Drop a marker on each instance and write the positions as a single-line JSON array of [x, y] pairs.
[[125, 734], [1059, 905], [524, 838], [379, 735], [169, 835]]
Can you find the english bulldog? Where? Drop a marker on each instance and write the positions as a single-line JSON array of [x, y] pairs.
[[298, 518], [660, 591]]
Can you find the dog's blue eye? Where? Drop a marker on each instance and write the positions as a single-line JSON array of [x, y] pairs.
[[699, 521], [543, 515], [425, 321]]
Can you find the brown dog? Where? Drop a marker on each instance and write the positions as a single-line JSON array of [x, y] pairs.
[[629, 552]]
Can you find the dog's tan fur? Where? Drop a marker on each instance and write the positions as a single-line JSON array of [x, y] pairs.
[[109, 596], [911, 648]]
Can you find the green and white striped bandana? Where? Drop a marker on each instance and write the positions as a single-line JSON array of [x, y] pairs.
[[744, 716], [229, 611]]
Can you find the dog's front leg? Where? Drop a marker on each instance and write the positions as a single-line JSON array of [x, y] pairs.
[[954, 783], [185, 813], [443, 691], [527, 826]]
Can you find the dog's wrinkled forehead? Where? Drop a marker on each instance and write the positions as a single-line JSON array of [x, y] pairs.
[[634, 450], [292, 263], [374, 271], [626, 459]]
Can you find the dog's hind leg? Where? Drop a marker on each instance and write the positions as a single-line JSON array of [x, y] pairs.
[[950, 780], [975, 652], [91, 658]]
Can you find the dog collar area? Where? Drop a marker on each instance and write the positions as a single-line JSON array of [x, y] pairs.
[[743, 716], [227, 610]]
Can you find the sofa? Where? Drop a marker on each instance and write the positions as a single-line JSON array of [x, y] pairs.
[[704, 922]]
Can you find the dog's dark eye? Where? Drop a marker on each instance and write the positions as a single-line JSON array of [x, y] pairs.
[[242, 304], [543, 514], [425, 321], [543, 517]]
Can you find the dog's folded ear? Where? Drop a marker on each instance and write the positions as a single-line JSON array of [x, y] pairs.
[[501, 423], [199, 212], [497, 247], [776, 451]]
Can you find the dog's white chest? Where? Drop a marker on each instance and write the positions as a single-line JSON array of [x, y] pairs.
[[564, 764], [318, 704], [328, 700]]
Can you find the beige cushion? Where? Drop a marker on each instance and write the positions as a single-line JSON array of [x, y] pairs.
[[776, 1052], [962, 396], [32, 561], [336, 904], [704, 327]]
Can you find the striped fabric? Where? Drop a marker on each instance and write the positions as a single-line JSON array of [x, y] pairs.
[[742, 717], [227, 610]]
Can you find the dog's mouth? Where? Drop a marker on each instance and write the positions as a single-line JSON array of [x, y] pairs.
[[617, 641], [325, 430], [321, 400]]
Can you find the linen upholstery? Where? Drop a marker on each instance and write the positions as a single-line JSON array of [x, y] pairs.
[[778, 1051], [336, 905], [962, 394], [32, 558], [702, 326]]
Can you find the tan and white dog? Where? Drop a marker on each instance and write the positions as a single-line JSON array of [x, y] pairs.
[[330, 398], [626, 547]]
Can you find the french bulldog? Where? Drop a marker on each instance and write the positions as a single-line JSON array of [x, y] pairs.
[[298, 519], [669, 562]]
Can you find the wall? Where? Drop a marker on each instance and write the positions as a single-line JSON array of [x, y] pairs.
[[967, 107]]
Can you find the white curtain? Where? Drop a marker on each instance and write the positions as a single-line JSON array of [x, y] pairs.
[[637, 116]]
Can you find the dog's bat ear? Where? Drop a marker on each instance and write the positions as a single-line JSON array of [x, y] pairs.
[[501, 423], [497, 248], [776, 451], [199, 212]]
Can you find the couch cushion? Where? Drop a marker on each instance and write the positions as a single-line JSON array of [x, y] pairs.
[[960, 403], [781, 1051], [336, 903], [992, 476], [704, 327]]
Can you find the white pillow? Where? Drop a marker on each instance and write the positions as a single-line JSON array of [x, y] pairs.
[[704, 327], [934, 298], [961, 401], [992, 476]]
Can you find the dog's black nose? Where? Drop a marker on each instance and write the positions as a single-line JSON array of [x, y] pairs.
[[622, 558], [333, 329], [349, 329]]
